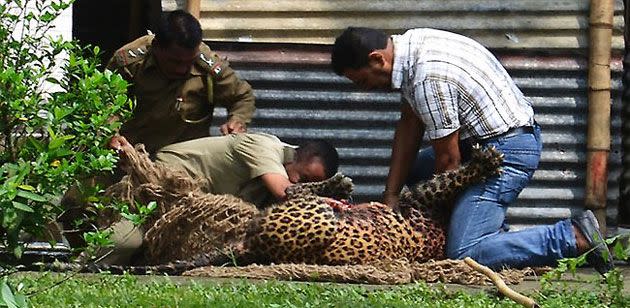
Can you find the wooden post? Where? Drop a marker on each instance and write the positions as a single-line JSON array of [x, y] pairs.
[[624, 198], [598, 136], [194, 7]]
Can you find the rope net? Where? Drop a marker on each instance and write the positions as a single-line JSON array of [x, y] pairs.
[[190, 221], [187, 221]]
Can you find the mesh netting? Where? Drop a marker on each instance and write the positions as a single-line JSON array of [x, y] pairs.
[[188, 220], [396, 272], [198, 224]]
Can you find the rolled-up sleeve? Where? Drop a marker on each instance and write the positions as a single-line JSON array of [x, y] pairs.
[[436, 103], [261, 154]]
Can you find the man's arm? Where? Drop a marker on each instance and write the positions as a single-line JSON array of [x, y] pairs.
[[407, 139], [235, 94], [237, 97], [263, 155], [119, 63], [447, 156], [276, 184]]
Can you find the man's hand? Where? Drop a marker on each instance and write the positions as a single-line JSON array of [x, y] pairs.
[[118, 143], [276, 184], [233, 126], [391, 198]]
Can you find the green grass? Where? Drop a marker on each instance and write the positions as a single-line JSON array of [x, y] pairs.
[[129, 291]]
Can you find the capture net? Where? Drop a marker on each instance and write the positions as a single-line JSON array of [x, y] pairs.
[[190, 221]]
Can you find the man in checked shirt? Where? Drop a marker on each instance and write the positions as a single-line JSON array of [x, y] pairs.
[[458, 94]]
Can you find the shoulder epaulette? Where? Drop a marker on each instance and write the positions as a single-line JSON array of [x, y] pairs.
[[212, 64], [126, 56]]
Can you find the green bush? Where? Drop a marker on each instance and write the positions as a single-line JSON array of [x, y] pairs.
[[49, 139]]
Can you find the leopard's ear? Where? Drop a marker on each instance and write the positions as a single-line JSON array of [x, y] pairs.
[[339, 186]]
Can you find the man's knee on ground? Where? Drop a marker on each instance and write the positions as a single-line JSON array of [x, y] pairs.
[[127, 240], [459, 252], [79, 214]]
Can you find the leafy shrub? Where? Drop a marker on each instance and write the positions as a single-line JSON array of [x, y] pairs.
[[49, 139]]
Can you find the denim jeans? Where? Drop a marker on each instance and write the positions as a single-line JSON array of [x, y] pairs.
[[477, 227]]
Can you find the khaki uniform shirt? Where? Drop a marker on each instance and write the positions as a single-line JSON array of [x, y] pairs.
[[232, 164], [158, 118]]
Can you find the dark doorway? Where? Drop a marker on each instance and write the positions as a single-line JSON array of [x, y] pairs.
[[111, 24]]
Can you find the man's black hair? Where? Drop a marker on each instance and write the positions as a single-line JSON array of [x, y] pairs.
[[179, 28], [353, 46], [322, 150]]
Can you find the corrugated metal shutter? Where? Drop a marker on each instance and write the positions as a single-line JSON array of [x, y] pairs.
[[495, 23], [543, 44]]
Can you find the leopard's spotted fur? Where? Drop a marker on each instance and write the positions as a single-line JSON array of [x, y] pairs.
[[307, 229]]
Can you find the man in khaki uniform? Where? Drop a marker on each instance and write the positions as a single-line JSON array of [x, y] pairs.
[[177, 81], [255, 167]]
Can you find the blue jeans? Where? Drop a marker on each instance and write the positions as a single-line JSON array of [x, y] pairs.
[[477, 227]]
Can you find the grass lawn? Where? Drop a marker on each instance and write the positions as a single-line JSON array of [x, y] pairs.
[[128, 291]]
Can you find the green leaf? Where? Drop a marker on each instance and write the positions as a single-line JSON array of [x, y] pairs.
[[20, 300], [7, 295], [17, 251], [37, 144], [26, 187], [152, 206], [619, 251], [31, 196], [51, 133], [61, 113], [62, 153], [57, 142], [99, 238], [47, 16], [22, 207], [134, 218]]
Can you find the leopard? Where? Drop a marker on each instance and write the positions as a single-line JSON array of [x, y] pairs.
[[312, 227], [317, 225]]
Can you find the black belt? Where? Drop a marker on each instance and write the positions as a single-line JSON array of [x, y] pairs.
[[509, 133]]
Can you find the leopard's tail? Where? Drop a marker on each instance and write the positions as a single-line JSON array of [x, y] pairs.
[[443, 187], [172, 268]]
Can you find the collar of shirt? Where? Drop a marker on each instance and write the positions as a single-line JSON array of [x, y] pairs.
[[151, 62], [289, 152], [196, 70], [401, 57]]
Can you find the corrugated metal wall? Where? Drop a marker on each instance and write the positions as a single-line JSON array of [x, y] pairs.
[[543, 44], [544, 24]]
